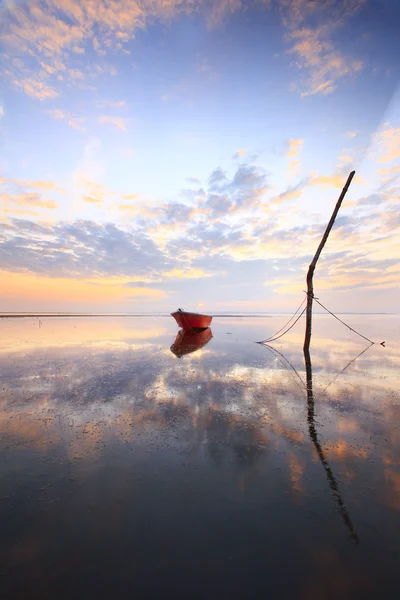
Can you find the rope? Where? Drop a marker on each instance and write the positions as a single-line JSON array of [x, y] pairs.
[[285, 365], [345, 324], [275, 335], [348, 364]]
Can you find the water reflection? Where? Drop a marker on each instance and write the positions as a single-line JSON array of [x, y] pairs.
[[187, 342], [107, 441], [315, 440]]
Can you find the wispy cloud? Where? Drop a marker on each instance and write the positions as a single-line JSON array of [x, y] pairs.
[[117, 121], [388, 143], [389, 171], [73, 121], [310, 30], [51, 33], [35, 184], [76, 125], [92, 199], [239, 154], [36, 88], [54, 33], [295, 148], [111, 104], [27, 199]]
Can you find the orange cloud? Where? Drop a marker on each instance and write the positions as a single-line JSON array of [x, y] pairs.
[[41, 185], [388, 141], [130, 196], [56, 113], [28, 198], [295, 147], [91, 199], [185, 273], [345, 158], [310, 28], [76, 125], [389, 171], [36, 89], [117, 121], [336, 181], [73, 121]]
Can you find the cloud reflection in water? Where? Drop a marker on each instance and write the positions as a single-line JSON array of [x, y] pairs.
[[108, 439]]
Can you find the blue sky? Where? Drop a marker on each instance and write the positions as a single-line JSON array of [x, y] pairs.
[[170, 153]]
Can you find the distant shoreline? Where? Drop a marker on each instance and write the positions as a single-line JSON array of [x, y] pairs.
[[163, 315]]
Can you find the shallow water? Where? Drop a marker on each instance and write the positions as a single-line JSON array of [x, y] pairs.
[[128, 471]]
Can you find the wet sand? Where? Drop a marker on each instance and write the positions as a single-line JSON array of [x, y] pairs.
[[130, 469]]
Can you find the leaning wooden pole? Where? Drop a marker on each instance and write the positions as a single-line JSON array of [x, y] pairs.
[[311, 268]]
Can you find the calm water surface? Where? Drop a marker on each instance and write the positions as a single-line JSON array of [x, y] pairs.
[[130, 469]]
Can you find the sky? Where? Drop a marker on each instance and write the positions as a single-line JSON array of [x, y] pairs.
[[158, 154]]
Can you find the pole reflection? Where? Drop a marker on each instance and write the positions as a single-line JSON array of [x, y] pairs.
[[321, 455], [312, 430]]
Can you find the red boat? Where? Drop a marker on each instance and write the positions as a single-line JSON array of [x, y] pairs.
[[187, 342], [191, 321]]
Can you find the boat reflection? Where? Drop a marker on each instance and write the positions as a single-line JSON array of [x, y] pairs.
[[187, 342]]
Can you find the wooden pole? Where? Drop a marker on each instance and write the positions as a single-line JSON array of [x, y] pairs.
[[311, 268]]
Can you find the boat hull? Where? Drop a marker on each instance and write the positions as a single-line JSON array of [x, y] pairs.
[[192, 321]]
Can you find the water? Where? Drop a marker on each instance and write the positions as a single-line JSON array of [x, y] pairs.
[[126, 471]]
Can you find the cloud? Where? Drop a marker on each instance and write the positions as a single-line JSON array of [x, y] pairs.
[[217, 177], [76, 125], [291, 193], [295, 147], [388, 143], [389, 171], [50, 35], [91, 191], [372, 199], [80, 249], [217, 12], [345, 159], [72, 121], [226, 197], [91, 199], [109, 104], [237, 219], [351, 134], [27, 198], [57, 113], [239, 154], [24, 183], [130, 196], [36, 89], [336, 181], [310, 30], [117, 121], [1, 111], [76, 74]]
